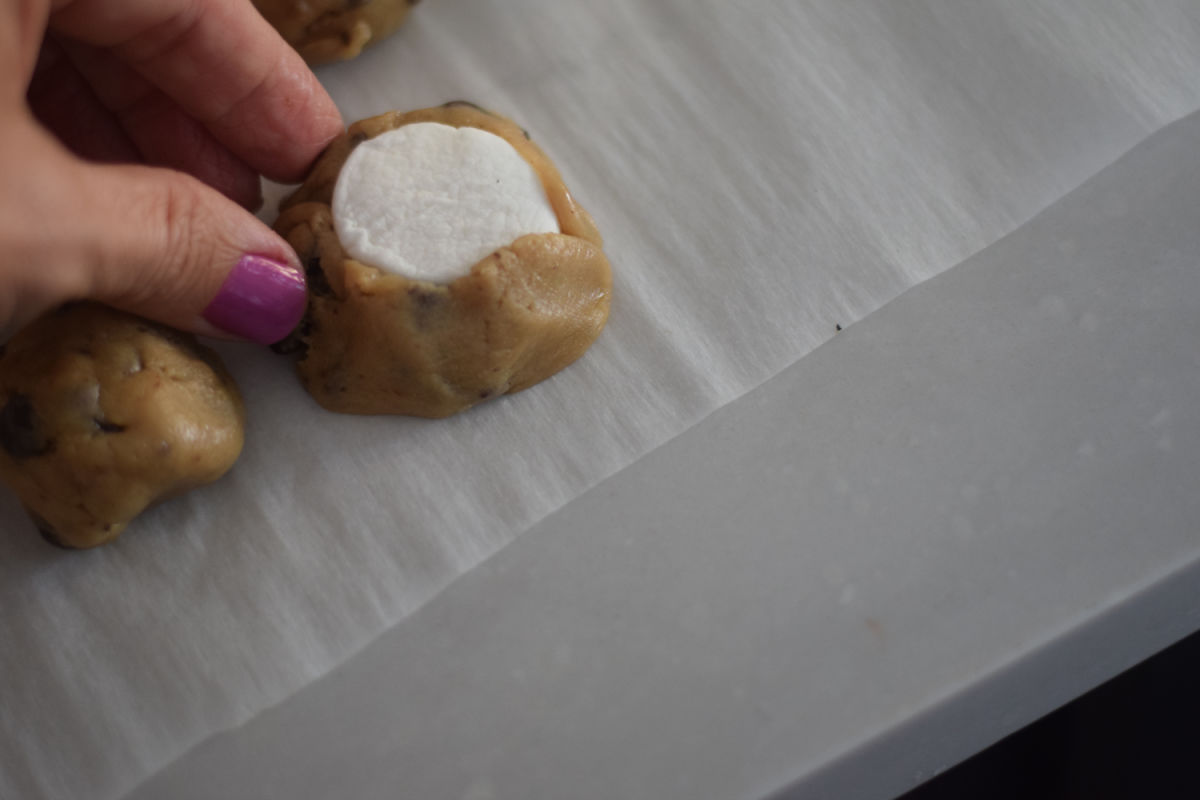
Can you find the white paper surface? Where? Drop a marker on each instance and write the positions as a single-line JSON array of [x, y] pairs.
[[762, 171]]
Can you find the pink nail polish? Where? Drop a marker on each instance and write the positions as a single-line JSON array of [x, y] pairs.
[[261, 300]]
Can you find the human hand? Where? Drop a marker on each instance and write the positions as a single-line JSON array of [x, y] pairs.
[[132, 137]]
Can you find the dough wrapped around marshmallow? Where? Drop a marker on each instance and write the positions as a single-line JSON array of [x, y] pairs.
[[482, 276], [103, 414], [333, 30]]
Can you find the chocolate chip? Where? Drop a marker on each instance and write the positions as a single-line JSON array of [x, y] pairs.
[[19, 433], [47, 531], [424, 299], [297, 340], [318, 283], [425, 306], [51, 537], [290, 346]]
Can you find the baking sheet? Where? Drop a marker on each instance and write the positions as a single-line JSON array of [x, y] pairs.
[[1004, 482], [763, 171]]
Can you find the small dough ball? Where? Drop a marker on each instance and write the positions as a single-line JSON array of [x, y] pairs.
[[333, 30], [377, 342], [103, 414]]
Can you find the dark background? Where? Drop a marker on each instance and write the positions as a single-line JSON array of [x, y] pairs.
[[1137, 736]]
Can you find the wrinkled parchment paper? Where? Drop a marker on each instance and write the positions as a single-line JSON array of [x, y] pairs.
[[763, 170]]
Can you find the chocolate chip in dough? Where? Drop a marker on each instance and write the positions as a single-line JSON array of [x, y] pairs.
[[19, 434], [51, 537], [318, 284], [108, 427]]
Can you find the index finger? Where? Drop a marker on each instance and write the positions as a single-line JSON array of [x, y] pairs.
[[223, 64]]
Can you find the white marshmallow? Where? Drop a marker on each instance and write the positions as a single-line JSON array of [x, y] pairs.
[[428, 201]]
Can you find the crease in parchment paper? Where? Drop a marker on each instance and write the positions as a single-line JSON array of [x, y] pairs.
[[763, 172]]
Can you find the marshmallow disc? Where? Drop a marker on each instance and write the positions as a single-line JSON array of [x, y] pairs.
[[428, 201]]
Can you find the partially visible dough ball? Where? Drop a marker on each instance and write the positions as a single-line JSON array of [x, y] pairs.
[[376, 342], [333, 30], [103, 414]]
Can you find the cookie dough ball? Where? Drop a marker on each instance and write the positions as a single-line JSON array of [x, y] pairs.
[[333, 30], [103, 414], [447, 264]]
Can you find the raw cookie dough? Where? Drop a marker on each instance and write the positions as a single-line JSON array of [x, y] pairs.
[[103, 414], [375, 342], [333, 30]]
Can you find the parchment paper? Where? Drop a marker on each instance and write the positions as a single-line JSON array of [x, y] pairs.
[[763, 171]]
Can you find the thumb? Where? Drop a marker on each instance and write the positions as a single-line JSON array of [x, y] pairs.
[[164, 245]]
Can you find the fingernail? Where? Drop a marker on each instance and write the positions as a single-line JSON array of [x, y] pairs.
[[261, 300]]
